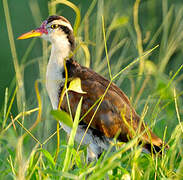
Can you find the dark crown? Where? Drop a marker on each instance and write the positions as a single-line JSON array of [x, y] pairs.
[[55, 17]]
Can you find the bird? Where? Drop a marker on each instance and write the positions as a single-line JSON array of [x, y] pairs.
[[109, 119]]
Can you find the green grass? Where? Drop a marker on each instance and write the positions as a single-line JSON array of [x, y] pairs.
[[130, 45]]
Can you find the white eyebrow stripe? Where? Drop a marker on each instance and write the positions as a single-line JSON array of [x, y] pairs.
[[60, 22]]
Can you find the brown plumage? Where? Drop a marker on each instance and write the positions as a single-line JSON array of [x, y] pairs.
[[108, 119]]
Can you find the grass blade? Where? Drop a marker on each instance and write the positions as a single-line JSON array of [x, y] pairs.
[[71, 139]]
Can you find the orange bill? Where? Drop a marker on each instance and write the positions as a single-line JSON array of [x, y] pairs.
[[33, 33]]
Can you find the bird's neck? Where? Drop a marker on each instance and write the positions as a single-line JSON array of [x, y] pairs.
[[54, 76], [60, 50]]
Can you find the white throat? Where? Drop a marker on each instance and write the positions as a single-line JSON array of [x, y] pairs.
[[54, 78]]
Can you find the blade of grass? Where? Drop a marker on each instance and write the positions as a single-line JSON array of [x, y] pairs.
[[105, 44], [139, 36], [5, 108], [51, 136], [136, 60], [10, 161], [71, 139], [64, 91], [98, 29], [10, 106], [27, 132], [19, 116], [19, 78], [177, 110], [87, 54]]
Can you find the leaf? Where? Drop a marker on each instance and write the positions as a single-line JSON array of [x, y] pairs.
[[75, 85], [48, 156], [62, 116]]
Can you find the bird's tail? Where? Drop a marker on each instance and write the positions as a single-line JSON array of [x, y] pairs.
[[152, 142]]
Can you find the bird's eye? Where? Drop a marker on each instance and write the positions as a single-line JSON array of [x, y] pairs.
[[54, 26]]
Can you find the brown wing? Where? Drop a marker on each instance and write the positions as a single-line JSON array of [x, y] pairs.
[[108, 119]]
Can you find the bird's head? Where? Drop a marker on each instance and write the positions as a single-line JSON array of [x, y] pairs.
[[54, 29]]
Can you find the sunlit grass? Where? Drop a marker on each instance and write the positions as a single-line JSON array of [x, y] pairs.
[[108, 45]]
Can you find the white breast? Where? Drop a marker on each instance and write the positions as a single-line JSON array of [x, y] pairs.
[[55, 68], [54, 80]]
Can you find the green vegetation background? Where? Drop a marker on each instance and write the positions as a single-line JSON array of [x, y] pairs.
[[152, 86]]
